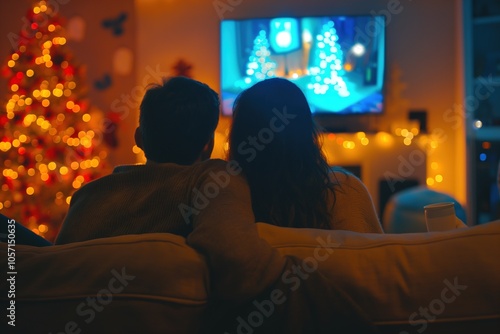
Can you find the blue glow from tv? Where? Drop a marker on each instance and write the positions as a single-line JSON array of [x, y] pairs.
[[337, 61]]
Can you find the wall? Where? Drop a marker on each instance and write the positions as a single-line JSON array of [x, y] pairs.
[[423, 57]]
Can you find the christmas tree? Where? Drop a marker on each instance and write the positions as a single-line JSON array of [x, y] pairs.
[[327, 72], [260, 66], [49, 139]]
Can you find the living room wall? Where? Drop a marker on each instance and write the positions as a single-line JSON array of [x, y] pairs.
[[423, 59]]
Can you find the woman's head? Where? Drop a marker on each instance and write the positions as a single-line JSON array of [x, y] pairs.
[[271, 119], [274, 139]]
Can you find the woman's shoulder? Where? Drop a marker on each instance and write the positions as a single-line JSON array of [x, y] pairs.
[[340, 177]]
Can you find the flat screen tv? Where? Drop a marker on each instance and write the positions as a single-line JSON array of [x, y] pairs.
[[337, 61]]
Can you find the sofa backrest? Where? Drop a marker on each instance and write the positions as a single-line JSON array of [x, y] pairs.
[[440, 282], [155, 283], [150, 283]]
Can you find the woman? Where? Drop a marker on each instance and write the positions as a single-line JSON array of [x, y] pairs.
[[274, 139]]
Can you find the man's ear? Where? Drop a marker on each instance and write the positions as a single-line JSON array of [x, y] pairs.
[[207, 150], [138, 138]]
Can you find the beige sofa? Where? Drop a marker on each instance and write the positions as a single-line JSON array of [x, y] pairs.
[[442, 282]]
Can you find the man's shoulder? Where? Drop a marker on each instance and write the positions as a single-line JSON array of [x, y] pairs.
[[218, 165]]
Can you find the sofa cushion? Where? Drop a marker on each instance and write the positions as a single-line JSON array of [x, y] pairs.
[[416, 282], [155, 279]]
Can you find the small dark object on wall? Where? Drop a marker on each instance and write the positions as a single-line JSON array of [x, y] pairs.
[[115, 24], [421, 117], [104, 83], [182, 69]]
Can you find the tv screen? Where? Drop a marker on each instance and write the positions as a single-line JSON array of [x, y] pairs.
[[337, 61]]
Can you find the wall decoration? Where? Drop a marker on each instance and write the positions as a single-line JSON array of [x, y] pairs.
[[182, 68], [123, 61], [103, 83], [115, 24], [75, 29]]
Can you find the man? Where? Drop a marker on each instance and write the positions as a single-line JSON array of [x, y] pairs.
[[178, 191]]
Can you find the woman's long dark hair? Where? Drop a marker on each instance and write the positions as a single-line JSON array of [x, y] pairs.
[[275, 141]]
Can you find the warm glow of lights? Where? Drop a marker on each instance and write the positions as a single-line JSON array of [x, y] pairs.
[[137, 150], [434, 165], [439, 178], [43, 228], [486, 145], [45, 103], [61, 117], [70, 104], [43, 168], [36, 10], [63, 170], [430, 181], [44, 176], [23, 138], [76, 108], [404, 132], [407, 141], [11, 63], [14, 88], [434, 144], [86, 117], [15, 56], [71, 85], [31, 172], [30, 190], [348, 67], [349, 145], [68, 199], [361, 135], [16, 142], [52, 165], [57, 92], [28, 101], [76, 184], [365, 141], [7, 204], [47, 44], [415, 131], [75, 165], [5, 146], [384, 139], [39, 157], [51, 27]]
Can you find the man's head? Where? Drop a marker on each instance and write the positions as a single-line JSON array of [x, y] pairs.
[[177, 121]]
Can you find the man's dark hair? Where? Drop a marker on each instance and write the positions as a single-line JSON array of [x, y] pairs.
[[177, 119]]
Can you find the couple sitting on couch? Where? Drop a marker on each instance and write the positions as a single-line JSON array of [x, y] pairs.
[[277, 175]]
